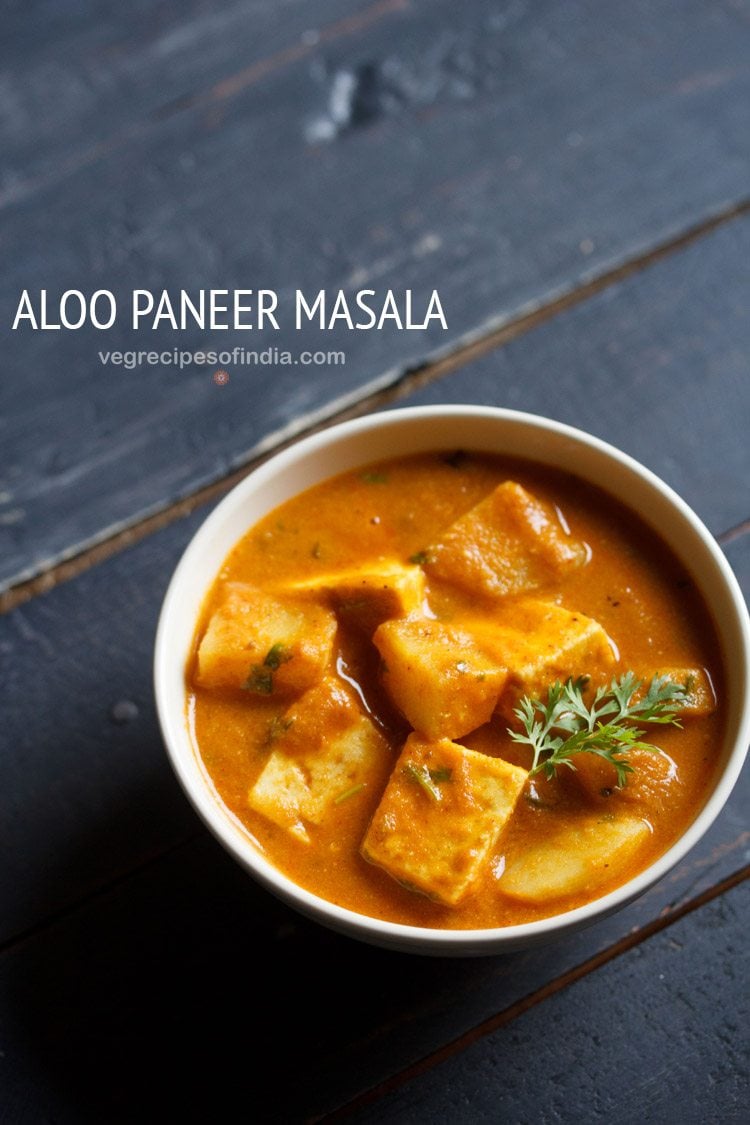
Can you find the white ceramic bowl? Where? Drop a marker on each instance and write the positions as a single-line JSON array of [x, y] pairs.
[[357, 443]]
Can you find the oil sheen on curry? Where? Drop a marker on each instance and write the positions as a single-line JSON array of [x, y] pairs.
[[454, 690]]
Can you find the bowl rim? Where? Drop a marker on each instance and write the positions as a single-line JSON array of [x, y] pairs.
[[238, 840]]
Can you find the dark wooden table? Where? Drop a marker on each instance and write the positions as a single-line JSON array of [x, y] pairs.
[[574, 179]]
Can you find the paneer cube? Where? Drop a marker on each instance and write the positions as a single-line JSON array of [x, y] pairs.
[[509, 543], [441, 815], [322, 748], [438, 676], [372, 594], [264, 644], [700, 698], [540, 642], [573, 860], [653, 778]]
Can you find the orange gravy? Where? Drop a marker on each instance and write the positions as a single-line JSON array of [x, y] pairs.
[[632, 585]]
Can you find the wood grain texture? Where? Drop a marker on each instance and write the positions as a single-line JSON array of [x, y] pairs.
[[655, 1036], [75, 88], [503, 154], [70, 766], [88, 793], [158, 935], [133, 942], [657, 365], [187, 989]]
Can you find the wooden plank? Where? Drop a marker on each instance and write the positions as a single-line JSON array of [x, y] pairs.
[[657, 1035], [188, 989], [77, 652], [74, 88], [88, 793], [116, 970], [506, 157], [448, 999], [656, 365], [739, 559], [134, 970], [186, 940]]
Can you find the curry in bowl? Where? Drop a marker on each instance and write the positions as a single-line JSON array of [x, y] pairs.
[[456, 690]]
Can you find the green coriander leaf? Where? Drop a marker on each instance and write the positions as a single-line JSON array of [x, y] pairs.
[[444, 773], [564, 724], [373, 476], [260, 680], [421, 776], [277, 655], [277, 726], [349, 793]]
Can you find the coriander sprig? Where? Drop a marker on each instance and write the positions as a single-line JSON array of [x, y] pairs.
[[427, 779], [564, 725]]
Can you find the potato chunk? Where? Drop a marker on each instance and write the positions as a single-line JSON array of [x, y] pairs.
[[540, 642], [322, 747], [573, 859], [653, 778], [700, 695], [441, 814], [372, 594], [509, 543], [438, 676], [265, 645]]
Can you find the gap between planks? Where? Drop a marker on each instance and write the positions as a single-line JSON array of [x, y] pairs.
[[667, 916], [735, 532], [13, 942], [411, 380], [503, 1018]]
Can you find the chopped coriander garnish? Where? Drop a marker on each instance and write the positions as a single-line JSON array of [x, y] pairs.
[[443, 774], [428, 780], [373, 476], [419, 557], [260, 679], [421, 776], [349, 793], [277, 655], [563, 725], [278, 726]]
